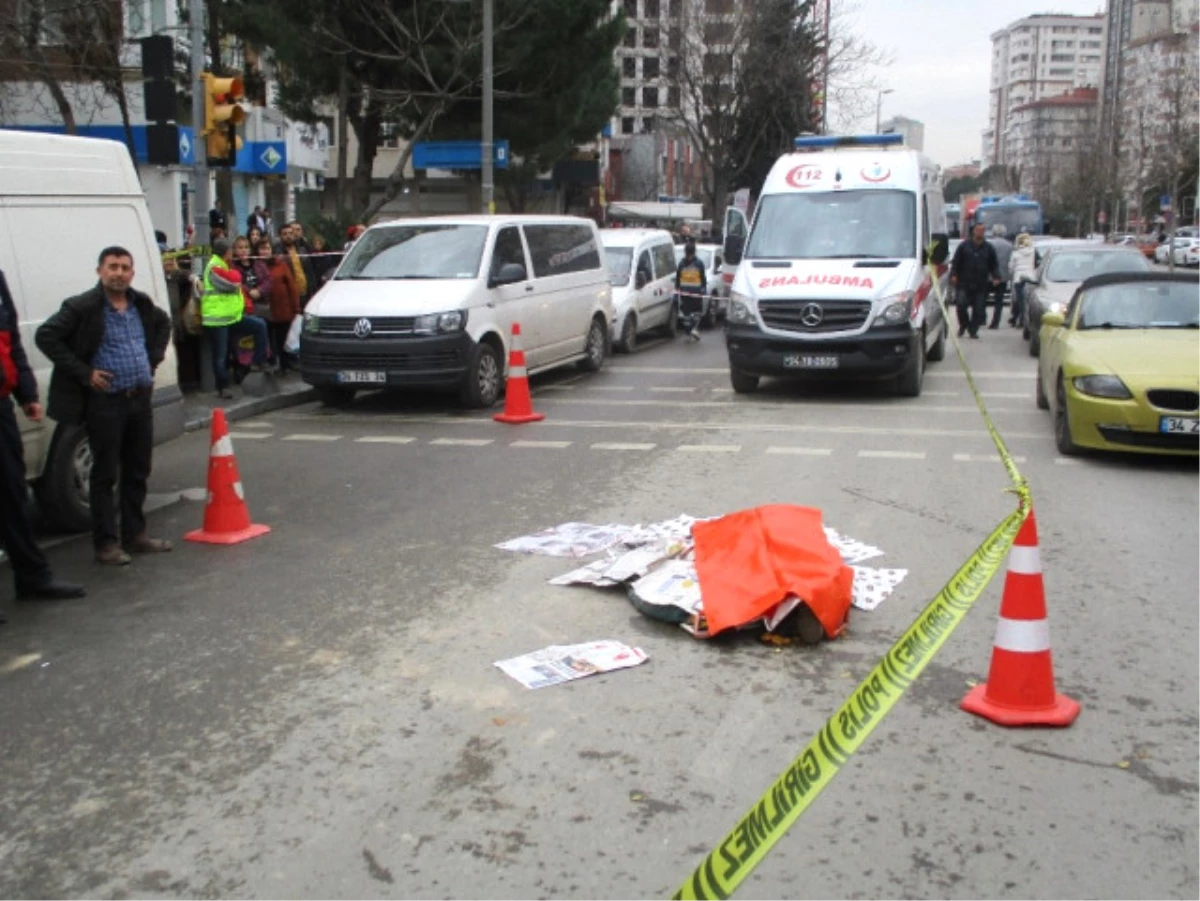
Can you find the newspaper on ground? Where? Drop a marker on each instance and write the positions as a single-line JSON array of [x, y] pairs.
[[852, 551], [674, 583], [571, 539], [617, 568], [563, 663], [872, 586]]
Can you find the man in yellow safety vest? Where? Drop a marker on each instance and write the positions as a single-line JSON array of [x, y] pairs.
[[223, 313]]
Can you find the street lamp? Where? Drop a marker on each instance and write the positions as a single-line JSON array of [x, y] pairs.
[[879, 106], [487, 176]]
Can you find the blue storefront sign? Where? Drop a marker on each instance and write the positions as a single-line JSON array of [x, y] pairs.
[[457, 155], [262, 158]]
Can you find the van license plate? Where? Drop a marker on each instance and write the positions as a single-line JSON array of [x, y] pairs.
[[1179, 425], [805, 361], [359, 378]]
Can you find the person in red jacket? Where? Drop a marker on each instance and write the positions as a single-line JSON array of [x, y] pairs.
[[284, 301], [31, 571]]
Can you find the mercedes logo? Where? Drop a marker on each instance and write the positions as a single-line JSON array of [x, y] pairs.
[[362, 328], [811, 315]]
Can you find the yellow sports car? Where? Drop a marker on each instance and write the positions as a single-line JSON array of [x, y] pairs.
[[1120, 369]]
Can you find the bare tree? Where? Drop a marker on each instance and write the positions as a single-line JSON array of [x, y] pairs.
[[1172, 163], [93, 36], [854, 65], [28, 38]]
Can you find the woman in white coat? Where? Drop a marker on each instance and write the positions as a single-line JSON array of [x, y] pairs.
[[1021, 269]]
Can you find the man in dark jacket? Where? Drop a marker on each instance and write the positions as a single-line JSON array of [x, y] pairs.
[[973, 272], [105, 345], [31, 572]]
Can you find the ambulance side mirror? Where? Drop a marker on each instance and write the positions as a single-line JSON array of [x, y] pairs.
[[941, 248]]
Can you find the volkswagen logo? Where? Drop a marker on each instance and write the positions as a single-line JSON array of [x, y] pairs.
[[362, 328], [811, 315]]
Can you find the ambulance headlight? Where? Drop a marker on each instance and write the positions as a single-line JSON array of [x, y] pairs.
[[742, 309], [894, 310]]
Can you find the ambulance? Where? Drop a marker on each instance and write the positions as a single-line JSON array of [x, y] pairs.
[[831, 278]]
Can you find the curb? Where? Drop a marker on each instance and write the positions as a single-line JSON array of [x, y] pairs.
[[246, 408]]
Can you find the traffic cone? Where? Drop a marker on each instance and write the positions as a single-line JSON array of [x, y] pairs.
[[226, 517], [518, 406], [1020, 686]]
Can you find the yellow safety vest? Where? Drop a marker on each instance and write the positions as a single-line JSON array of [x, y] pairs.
[[216, 308]]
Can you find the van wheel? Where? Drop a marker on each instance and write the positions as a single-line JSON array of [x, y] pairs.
[[710, 315], [595, 347], [1043, 402], [335, 395], [62, 491], [908, 383], [1035, 344], [937, 353], [671, 327], [627, 343], [743, 382], [484, 378]]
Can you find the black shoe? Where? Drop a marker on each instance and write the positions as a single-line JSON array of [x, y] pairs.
[[975, 335], [961, 332], [51, 591], [994, 325]]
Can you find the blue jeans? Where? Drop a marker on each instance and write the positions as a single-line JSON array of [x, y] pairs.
[[1018, 308], [218, 339]]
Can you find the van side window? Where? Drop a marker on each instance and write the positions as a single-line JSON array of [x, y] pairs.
[[644, 268], [508, 249], [925, 220], [561, 249], [664, 260]]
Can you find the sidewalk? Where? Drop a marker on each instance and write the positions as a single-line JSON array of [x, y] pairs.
[[259, 393]]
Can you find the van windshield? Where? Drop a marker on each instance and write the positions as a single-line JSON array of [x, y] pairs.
[[416, 251], [619, 263], [835, 225]]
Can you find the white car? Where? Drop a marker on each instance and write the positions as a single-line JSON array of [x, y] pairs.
[[1186, 251], [1163, 252], [641, 270], [714, 302]]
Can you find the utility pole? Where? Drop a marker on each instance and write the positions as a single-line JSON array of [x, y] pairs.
[[200, 194], [489, 187]]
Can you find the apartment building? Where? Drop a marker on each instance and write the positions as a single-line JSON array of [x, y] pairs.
[[913, 131], [1037, 57]]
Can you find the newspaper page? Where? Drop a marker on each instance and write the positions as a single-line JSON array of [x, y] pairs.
[[563, 663]]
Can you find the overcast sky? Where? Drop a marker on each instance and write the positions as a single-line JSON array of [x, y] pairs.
[[942, 62]]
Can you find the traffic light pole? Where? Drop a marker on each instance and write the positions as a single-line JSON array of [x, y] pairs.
[[200, 194]]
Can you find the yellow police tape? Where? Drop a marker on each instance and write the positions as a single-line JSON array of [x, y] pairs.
[[719, 874]]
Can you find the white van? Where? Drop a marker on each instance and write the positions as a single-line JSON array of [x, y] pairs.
[[831, 279], [62, 200], [641, 264], [432, 302]]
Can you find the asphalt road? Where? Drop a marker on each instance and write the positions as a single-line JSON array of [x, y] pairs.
[[316, 713]]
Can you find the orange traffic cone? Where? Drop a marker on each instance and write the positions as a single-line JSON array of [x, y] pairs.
[[226, 518], [1020, 687], [518, 406]]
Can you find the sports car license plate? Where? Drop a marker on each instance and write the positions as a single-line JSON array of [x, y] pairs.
[[805, 361], [369, 378], [1179, 425]]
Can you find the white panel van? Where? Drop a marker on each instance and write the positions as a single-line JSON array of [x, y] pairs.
[[831, 279], [62, 200], [432, 302], [641, 264]]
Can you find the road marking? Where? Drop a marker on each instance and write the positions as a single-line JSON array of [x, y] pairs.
[[555, 388], [1024, 395], [841, 407], [669, 369], [613, 387], [303, 436], [710, 448], [462, 442], [982, 375], [616, 445], [249, 436], [676, 390], [893, 455], [721, 390], [255, 424], [802, 451], [984, 458], [385, 439], [1065, 461], [941, 394], [552, 444]]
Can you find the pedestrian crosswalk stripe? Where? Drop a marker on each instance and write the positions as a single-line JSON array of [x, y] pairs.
[[710, 448], [463, 442], [668, 388], [613, 387], [983, 458], [249, 436], [301, 436], [616, 445], [1065, 461], [385, 439], [893, 455], [551, 444], [802, 451]]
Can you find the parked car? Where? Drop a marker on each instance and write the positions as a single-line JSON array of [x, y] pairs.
[[641, 269], [1187, 251], [1062, 270], [714, 304], [1119, 369], [1169, 247], [432, 303]]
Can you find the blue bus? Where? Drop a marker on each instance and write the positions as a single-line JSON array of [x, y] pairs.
[[1016, 212]]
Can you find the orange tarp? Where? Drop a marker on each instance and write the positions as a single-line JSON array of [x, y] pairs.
[[751, 560]]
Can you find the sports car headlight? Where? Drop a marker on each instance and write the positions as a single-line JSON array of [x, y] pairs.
[[741, 309], [895, 310], [1102, 386], [440, 323], [312, 323]]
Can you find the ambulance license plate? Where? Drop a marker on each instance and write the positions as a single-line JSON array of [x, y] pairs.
[[807, 361]]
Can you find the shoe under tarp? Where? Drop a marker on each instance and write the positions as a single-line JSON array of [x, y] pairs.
[[749, 561]]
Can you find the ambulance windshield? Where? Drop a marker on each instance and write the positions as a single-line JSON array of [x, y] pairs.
[[835, 225]]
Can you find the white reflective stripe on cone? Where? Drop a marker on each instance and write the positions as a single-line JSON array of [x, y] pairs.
[[237, 489], [222, 447], [1025, 561], [516, 372], [1023, 635]]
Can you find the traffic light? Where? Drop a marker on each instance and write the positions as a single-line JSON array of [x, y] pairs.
[[222, 115]]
